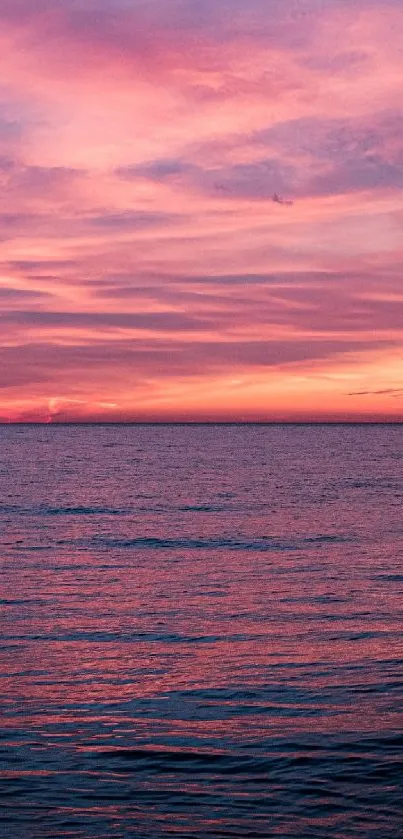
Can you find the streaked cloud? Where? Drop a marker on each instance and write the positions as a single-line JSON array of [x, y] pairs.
[[201, 208]]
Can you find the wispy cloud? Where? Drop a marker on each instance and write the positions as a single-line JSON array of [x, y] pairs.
[[194, 195], [387, 391]]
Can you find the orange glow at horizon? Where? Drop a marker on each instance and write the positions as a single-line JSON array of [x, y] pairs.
[[201, 215]]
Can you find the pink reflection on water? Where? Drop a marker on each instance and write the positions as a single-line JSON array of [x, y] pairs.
[[264, 635]]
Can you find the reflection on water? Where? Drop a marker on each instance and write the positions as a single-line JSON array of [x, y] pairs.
[[202, 631]]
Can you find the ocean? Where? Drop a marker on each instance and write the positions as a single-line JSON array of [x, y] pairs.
[[201, 631]]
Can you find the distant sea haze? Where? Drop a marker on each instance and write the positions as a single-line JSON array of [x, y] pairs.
[[201, 631]]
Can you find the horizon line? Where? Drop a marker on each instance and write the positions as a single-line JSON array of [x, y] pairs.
[[196, 422]]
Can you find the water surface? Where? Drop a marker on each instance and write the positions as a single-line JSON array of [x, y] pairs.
[[202, 631]]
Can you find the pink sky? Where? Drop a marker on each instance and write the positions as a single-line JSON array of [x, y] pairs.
[[201, 209]]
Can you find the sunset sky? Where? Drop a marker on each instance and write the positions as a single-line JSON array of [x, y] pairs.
[[201, 209]]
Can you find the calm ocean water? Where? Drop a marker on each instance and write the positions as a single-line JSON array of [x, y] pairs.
[[202, 631]]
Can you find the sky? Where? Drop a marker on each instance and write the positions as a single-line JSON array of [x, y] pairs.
[[201, 210]]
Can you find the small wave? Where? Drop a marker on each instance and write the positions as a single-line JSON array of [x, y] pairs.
[[263, 543], [334, 764], [44, 510], [164, 756], [196, 543], [79, 511], [324, 538], [201, 508]]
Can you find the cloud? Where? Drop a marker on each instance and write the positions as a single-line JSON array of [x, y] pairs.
[[155, 321], [146, 150], [132, 220], [113, 362], [260, 180], [10, 131], [25, 184], [21, 294], [388, 391], [339, 156], [307, 302], [310, 157]]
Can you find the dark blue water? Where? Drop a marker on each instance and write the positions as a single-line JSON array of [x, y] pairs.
[[202, 631]]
